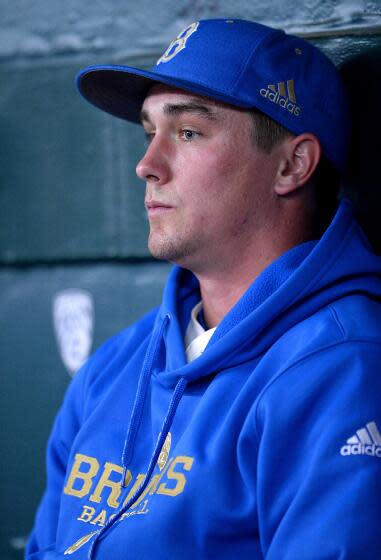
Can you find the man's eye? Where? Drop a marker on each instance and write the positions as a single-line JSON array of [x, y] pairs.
[[189, 135], [149, 137]]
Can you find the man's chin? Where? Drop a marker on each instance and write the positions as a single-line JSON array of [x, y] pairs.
[[163, 255], [160, 250], [168, 250]]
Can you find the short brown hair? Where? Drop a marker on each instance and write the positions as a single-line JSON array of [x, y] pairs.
[[267, 133]]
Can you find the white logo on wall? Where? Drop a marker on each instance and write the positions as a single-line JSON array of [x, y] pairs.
[[73, 317]]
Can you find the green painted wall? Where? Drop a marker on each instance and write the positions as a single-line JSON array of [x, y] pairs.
[[71, 214]]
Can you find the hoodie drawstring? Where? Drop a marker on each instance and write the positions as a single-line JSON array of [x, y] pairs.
[[141, 393], [133, 428]]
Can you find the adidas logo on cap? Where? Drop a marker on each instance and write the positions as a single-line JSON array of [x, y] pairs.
[[283, 95], [366, 441]]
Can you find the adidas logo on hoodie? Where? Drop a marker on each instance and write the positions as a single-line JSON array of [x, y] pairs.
[[366, 441]]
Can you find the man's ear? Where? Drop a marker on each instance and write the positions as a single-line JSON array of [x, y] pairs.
[[300, 156]]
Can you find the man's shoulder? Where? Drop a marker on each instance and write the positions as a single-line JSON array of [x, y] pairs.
[[358, 316], [332, 354], [352, 321]]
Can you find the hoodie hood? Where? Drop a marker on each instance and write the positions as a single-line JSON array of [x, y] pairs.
[[295, 286]]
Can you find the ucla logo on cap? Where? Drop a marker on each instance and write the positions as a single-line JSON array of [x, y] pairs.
[[178, 44]]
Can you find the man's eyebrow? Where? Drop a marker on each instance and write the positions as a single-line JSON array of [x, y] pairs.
[[175, 109], [144, 116]]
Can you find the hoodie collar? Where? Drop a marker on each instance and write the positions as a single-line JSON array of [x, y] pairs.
[[290, 289]]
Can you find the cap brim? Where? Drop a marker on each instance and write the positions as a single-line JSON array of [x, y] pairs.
[[121, 90]]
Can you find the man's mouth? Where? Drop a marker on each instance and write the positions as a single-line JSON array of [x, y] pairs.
[[155, 207]]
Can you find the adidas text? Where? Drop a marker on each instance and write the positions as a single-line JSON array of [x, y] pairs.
[[366, 441], [283, 102], [359, 449]]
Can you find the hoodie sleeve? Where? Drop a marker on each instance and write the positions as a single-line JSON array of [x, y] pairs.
[[319, 461], [66, 427], [64, 430]]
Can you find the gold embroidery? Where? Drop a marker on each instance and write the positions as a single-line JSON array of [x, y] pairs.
[[281, 89], [163, 457], [87, 514], [104, 482], [282, 94], [80, 542], [180, 478], [85, 477]]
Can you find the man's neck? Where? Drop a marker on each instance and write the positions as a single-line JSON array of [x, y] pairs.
[[219, 293], [222, 288]]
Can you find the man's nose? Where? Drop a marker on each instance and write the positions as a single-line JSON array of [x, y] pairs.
[[154, 165]]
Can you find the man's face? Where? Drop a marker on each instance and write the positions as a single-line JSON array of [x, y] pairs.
[[208, 188]]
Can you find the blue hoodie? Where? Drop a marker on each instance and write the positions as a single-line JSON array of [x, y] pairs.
[[266, 446]]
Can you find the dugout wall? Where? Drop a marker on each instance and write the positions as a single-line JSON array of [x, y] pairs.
[[74, 268]]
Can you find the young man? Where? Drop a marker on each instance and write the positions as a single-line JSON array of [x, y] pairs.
[[241, 417]]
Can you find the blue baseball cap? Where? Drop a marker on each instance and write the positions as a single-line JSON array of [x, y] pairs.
[[245, 64]]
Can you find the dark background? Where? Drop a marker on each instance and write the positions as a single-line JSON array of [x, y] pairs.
[[71, 213]]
